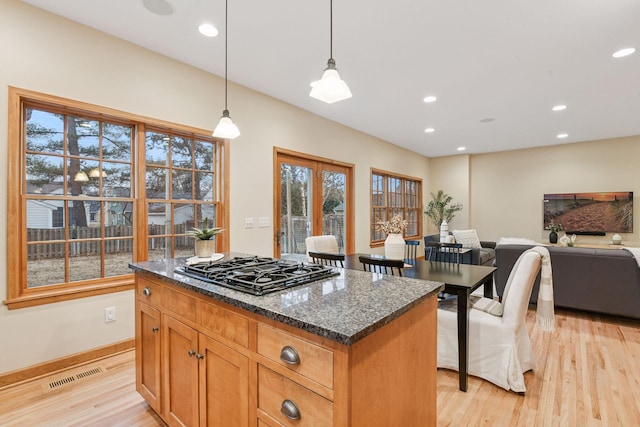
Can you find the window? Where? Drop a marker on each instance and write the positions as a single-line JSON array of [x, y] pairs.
[[393, 194], [180, 191], [84, 207]]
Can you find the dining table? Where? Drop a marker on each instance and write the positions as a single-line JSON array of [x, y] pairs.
[[459, 280]]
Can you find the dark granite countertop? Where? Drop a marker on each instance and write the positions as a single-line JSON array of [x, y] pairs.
[[344, 308]]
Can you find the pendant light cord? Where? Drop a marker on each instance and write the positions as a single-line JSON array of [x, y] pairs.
[[226, 38], [331, 29]]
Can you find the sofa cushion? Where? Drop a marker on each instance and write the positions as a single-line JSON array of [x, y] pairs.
[[468, 238], [485, 255]]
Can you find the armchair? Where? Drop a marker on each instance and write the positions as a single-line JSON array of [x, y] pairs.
[[477, 256]]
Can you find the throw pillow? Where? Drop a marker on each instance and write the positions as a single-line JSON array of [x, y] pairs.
[[468, 238]]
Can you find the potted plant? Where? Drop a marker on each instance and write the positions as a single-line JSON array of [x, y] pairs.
[[439, 209], [394, 243], [205, 245], [553, 228]]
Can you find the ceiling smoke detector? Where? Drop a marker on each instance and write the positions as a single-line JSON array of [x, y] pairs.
[[159, 7]]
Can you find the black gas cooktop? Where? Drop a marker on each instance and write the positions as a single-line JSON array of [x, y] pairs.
[[257, 275]]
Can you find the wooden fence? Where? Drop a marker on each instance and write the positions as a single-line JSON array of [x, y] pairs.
[[47, 243]]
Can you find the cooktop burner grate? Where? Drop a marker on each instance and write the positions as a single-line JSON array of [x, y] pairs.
[[257, 275]]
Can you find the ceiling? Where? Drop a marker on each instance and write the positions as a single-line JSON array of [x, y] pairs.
[[497, 67]]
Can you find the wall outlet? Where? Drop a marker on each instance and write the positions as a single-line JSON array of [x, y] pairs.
[[109, 314], [248, 222]]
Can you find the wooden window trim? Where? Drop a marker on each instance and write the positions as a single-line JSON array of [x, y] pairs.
[[18, 295], [387, 174]]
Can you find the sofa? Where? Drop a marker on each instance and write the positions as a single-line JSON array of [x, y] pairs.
[[477, 256], [597, 280]]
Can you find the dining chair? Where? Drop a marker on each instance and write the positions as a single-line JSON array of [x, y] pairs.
[[326, 258], [381, 265], [325, 243], [499, 346], [443, 252], [411, 250]]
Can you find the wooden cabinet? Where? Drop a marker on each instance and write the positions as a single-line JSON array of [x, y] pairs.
[[186, 376], [180, 372], [289, 403], [148, 354], [215, 364], [224, 385]]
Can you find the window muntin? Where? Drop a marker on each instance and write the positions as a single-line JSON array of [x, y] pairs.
[[100, 213], [180, 191], [67, 214], [393, 194]]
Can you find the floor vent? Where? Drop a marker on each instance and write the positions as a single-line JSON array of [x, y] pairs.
[[70, 379]]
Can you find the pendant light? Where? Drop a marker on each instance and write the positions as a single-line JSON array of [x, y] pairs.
[[81, 177], [330, 88], [226, 128]]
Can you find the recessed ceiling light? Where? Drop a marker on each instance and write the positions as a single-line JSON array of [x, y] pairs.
[[430, 98], [159, 7], [624, 52], [487, 120], [429, 130], [559, 107], [461, 148], [208, 30], [562, 135]]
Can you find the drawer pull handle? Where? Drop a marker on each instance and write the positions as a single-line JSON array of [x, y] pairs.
[[290, 355], [146, 292], [192, 353], [155, 329], [290, 410], [199, 356]]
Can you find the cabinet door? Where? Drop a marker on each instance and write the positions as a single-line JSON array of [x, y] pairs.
[[148, 354], [224, 385], [180, 372]]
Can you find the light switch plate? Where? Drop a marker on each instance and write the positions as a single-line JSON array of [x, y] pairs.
[[263, 221]]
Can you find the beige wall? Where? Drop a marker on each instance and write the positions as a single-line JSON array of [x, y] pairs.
[[451, 174], [506, 188], [41, 52]]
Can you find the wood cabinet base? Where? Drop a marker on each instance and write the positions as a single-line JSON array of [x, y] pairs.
[[386, 378]]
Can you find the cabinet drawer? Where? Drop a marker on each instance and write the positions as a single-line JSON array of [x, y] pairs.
[[225, 323], [315, 362], [274, 390], [181, 304], [149, 292]]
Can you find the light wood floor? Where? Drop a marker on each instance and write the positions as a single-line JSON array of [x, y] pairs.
[[588, 375]]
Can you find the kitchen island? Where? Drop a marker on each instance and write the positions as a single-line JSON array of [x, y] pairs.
[[355, 349]]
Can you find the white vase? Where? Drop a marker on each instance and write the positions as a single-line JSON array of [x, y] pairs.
[[394, 246], [205, 248], [444, 231]]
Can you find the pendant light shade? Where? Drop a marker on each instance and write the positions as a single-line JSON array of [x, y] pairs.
[[81, 177], [226, 129], [330, 88]]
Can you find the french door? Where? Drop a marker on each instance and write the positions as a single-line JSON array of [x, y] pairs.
[[313, 197]]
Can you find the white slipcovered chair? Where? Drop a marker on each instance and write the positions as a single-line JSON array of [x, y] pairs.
[[326, 243], [499, 346]]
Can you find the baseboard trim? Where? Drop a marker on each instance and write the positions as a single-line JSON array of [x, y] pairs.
[[47, 368]]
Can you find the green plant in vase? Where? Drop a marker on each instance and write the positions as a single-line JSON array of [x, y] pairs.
[[553, 230], [205, 245], [441, 209]]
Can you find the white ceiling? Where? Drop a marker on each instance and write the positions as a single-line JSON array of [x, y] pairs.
[[506, 60]]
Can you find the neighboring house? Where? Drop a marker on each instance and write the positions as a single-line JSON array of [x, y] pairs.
[[43, 214]]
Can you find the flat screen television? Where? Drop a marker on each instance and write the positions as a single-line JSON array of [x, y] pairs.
[[590, 213]]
